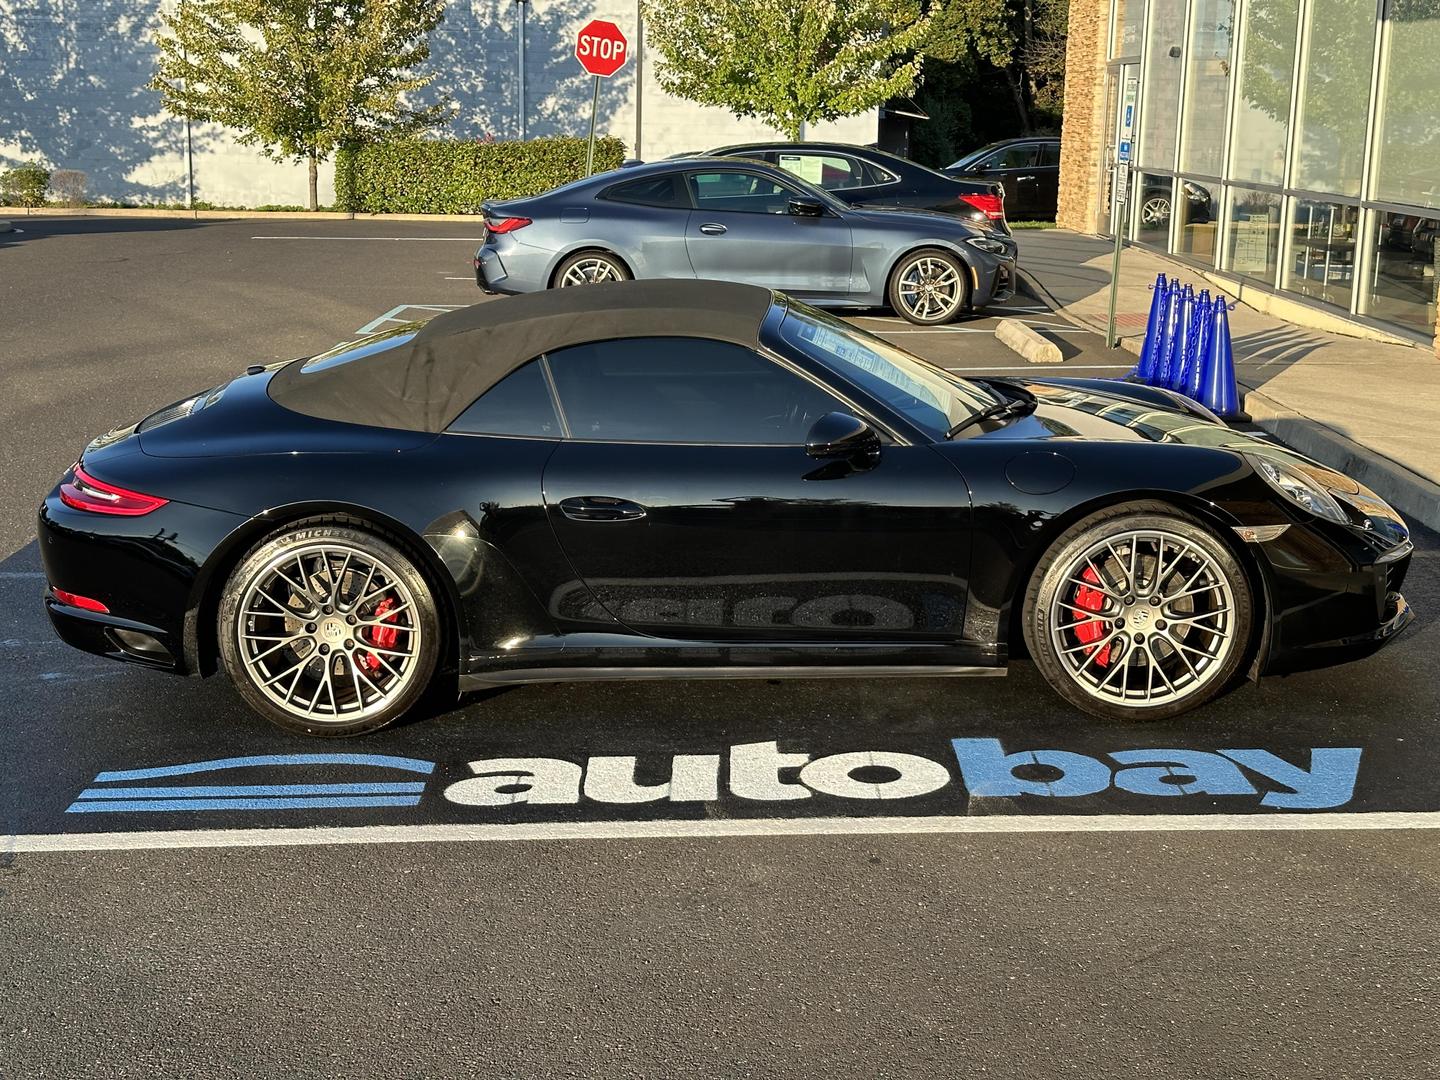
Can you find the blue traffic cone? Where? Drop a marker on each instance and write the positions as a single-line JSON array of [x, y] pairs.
[[1185, 340], [1164, 361], [1219, 393], [1195, 363], [1150, 347]]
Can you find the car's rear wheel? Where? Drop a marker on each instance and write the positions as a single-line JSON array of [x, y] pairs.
[[590, 268], [929, 287], [328, 630], [1138, 612]]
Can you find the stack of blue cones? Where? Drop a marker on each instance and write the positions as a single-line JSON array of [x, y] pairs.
[[1187, 348]]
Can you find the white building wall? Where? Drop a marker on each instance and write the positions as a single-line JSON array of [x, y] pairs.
[[73, 94]]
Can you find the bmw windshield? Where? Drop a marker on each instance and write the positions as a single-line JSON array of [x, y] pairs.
[[929, 397]]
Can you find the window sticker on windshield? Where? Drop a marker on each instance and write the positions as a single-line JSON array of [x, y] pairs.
[[856, 354]]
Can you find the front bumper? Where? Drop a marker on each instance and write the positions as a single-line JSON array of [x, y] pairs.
[[992, 281]]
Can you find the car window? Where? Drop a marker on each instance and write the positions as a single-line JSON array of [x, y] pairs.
[[683, 390], [1011, 157], [666, 191], [519, 404], [874, 174], [1050, 153], [928, 396], [833, 172], [744, 192]]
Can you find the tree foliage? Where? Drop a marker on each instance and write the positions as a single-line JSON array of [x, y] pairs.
[[788, 62], [299, 78]]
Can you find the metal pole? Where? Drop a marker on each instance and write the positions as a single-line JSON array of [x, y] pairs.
[[639, 76], [520, 67], [189, 148], [1122, 192], [590, 153]]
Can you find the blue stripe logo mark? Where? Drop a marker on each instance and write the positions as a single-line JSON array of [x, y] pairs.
[[150, 798]]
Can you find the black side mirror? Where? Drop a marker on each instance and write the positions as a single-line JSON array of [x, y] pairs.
[[805, 208], [840, 435]]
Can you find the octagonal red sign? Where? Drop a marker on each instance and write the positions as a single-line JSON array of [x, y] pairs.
[[601, 48]]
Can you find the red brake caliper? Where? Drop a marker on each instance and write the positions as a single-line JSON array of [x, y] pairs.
[[1087, 628], [383, 637]]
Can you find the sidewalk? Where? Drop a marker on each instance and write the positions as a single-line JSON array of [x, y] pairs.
[[1367, 408]]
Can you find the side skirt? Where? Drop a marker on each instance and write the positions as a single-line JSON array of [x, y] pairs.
[[491, 679]]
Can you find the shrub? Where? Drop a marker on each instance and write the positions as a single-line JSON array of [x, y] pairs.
[[432, 176], [25, 185], [69, 186]]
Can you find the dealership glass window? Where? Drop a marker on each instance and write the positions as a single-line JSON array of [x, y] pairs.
[[1262, 107], [1402, 286], [1321, 263], [1252, 245], [1335, 96], [1160, 96], [1407, 169], [1129, 14], [1198, 207], [1151, 195], [1207, 86]]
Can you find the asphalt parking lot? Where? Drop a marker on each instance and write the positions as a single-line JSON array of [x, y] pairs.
[[768, 879]]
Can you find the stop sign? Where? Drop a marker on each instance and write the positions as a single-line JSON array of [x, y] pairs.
[[601, 48]]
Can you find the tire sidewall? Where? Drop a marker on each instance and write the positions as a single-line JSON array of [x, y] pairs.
[[1047, 580], [243, 577]]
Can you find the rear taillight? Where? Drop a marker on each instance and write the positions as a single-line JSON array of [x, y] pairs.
[[83, 492], [84, 603], [992, 206], [509, 224]]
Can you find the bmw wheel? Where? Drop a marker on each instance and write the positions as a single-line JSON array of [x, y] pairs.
[[328, 630], [590, 268], [929, 287], [1138, 612]]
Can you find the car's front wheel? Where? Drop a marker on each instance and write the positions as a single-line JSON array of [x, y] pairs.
[[929, 287], [590, 268], [1138, 612], [328, 630]]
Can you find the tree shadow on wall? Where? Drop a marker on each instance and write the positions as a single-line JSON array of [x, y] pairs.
[[73, 93], [474, 53]]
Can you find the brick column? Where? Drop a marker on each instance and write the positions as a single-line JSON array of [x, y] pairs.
[[1082, 135]]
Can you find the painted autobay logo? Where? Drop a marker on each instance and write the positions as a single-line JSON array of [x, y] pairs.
[[762, 772]]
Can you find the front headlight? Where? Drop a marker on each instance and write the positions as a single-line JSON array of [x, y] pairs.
[[1300, 490], [984, 243]]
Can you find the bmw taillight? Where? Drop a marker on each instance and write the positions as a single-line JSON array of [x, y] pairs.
[[83, 492], [509, 224], [992, 206]]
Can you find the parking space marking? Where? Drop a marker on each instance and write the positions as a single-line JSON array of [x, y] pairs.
[[712, 828], [473, 239], [393, 315], [1062, 368]]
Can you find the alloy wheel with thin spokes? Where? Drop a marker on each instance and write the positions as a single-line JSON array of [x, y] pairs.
[[1139, 616], [929, 288], [333, 634], [592, 269]]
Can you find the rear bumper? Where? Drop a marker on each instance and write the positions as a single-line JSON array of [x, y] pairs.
[[115, 638], [490, 273]]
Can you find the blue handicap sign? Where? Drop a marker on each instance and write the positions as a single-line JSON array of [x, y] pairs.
[[1124, 149]]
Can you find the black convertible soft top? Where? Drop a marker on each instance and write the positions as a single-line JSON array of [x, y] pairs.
[[456, 357]]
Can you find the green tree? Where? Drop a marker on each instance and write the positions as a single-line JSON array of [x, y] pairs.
[[787, 62], [300, 78]]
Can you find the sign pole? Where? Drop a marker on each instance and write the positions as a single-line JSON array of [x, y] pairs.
[[1121, 196], [594, 106]]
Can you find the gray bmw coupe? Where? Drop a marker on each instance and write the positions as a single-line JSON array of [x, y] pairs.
[[743, 221]]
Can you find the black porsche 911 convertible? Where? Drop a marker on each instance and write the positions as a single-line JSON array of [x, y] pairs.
[[682, 479]]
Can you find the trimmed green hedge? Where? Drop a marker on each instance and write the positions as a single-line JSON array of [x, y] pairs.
[[429, 176]]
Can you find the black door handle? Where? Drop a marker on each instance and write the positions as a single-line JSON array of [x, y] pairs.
[[601, 508]]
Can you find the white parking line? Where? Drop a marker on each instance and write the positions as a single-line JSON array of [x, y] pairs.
[[393, 315], [700, 829], [1039, 369], [475, 239]]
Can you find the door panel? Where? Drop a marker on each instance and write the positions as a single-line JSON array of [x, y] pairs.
[[764, 543]]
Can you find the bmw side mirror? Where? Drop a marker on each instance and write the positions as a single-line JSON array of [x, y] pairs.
[[840, 435], [806, 208]]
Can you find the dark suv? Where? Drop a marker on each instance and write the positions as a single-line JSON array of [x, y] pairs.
[[1029, 169]]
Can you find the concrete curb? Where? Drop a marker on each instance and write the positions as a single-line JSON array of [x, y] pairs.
[[1409, 492], [229, 215], [1028, 342]]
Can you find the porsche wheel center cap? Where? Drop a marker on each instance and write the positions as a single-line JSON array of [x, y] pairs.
[[332, 631]]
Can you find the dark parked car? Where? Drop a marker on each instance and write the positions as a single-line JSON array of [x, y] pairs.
[[1029, 170], [678, 480], [864, 176], [743, 221]]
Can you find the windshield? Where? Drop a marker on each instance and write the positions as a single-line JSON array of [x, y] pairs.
[[931, 398]]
